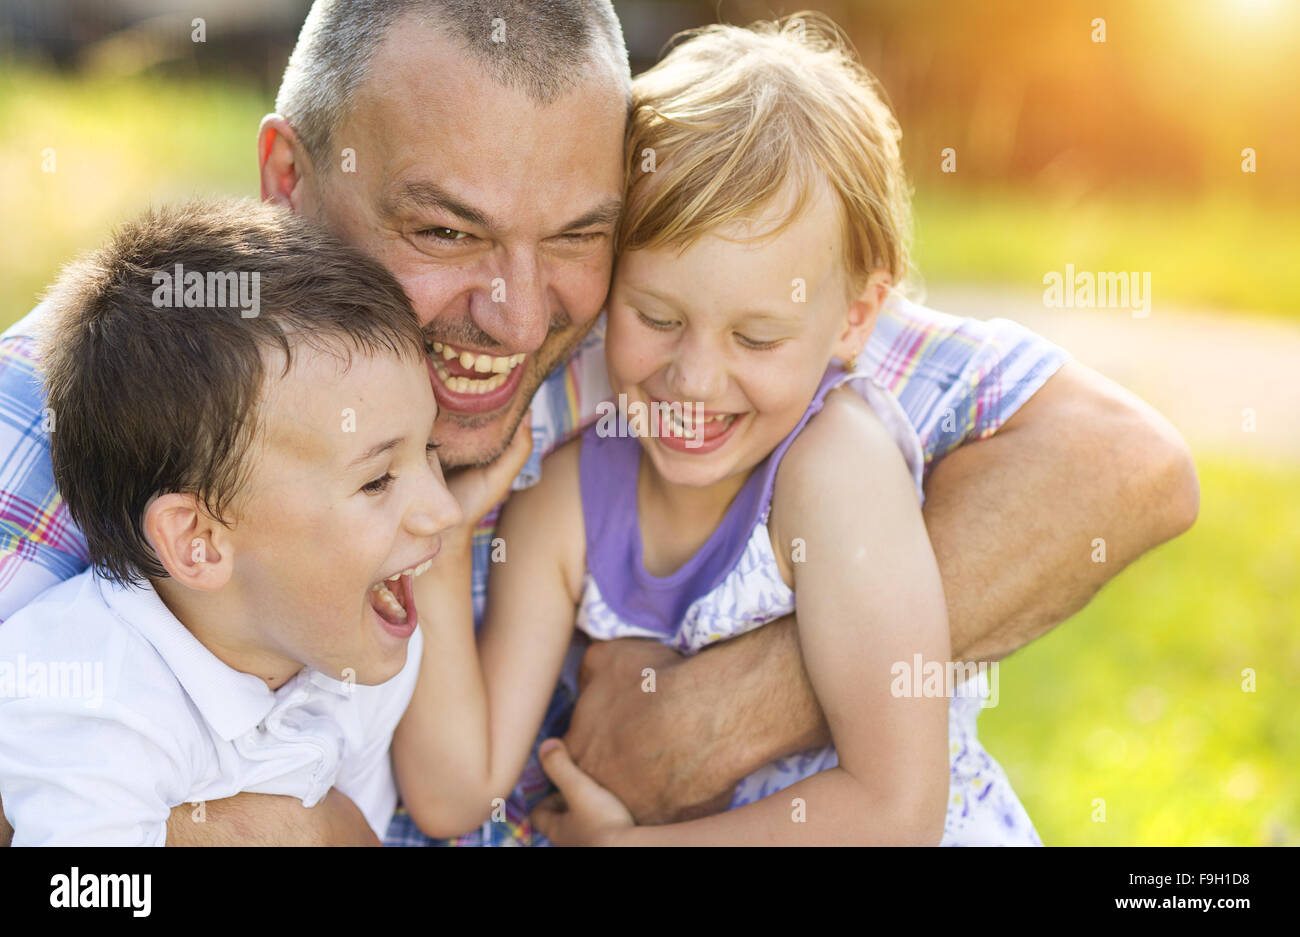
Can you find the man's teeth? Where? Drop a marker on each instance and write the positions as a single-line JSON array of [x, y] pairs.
[[499, 368]]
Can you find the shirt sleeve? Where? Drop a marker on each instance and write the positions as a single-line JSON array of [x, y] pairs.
[[76, 775], [39, 543], [959, 380]]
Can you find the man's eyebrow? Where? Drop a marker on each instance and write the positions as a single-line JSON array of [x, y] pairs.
[[429, 195], [376, 450], [606, 212]]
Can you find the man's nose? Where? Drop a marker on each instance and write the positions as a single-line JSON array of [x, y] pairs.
[[697, 373], [513, 308]]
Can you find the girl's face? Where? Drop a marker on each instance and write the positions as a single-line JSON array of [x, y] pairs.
[[738, 328]]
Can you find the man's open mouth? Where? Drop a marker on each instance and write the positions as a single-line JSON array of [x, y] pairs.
[[468, 372], [393, 599]]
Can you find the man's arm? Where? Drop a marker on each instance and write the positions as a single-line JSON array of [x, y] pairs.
[[1012, 520], [270, 820]]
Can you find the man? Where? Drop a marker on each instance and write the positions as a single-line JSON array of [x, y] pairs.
[[476, 150]]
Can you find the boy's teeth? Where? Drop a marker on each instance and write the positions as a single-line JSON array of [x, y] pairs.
[[413, 571], [390, 603]]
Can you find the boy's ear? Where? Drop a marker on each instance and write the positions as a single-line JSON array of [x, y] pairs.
[[861, 316], [193, 547]]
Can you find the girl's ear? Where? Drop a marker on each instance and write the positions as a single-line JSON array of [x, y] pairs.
[[195, 549], [861, 316]]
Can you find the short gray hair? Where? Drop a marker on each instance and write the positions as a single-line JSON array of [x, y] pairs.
[[544, 41]]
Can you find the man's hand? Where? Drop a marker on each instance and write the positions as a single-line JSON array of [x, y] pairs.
[[671, 754], [270, 820]]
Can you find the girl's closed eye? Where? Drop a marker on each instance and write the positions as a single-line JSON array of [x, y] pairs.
[[755, 345], [655, 323]]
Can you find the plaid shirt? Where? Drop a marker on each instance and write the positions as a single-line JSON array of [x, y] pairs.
[[958, 380]]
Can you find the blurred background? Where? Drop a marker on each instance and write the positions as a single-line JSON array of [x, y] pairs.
[[1158, 138]]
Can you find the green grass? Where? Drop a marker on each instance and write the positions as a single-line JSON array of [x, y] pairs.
[[1219, 251], [1138, 699], [119, 146]]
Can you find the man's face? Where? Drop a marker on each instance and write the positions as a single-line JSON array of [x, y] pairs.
[[495, 213]]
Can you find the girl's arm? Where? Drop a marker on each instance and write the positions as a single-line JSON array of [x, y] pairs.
[[869, 598], [469, 727]]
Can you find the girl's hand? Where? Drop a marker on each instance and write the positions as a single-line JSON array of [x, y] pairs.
[[478, 490], [583, 813]]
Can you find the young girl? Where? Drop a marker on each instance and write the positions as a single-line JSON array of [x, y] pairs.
[[766, 221]]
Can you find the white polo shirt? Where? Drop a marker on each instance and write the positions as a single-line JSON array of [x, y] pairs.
[[112, 713]]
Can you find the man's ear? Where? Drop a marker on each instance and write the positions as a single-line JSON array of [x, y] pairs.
[[861, 316], [194, 548], [282, 163]]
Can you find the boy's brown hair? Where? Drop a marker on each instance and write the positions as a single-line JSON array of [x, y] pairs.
[[153, 387]]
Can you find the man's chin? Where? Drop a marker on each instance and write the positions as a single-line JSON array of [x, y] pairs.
[[471, 439]]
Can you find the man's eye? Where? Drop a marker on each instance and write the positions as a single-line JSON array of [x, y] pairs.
[[379, 485], [444, 234]]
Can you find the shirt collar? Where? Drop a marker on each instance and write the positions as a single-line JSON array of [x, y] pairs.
[[232, 702]]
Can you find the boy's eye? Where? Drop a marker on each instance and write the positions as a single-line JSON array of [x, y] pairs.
[[379, 485]]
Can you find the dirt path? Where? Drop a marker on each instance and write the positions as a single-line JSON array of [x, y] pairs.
[[1210, 374]]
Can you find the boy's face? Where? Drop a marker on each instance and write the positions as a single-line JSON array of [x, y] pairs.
[[343, 494], [743, 329]]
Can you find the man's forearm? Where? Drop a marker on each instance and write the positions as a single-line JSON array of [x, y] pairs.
[[763, 704], [1019, 521], [270, 820]]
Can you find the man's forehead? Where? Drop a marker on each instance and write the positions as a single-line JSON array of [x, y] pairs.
[[423, 88]]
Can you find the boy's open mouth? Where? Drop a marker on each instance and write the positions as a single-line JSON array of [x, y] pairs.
[[393, 599]]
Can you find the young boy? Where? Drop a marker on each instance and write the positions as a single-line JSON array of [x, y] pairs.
[[240, 415]]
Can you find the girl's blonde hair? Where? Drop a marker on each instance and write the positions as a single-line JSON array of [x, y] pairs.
[[732, 116]]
